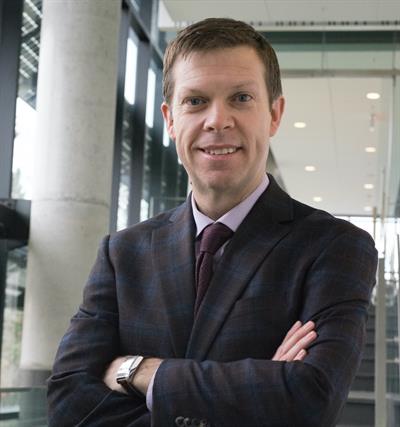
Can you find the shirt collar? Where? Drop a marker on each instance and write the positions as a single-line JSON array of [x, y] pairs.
[[235, 216]]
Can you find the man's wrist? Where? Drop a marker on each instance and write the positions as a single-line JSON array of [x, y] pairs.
[[144, 374], [127, 372]]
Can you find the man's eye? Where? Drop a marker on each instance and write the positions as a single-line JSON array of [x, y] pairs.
[[194, 101], [243, 97]]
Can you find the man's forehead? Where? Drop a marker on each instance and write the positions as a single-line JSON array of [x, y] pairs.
[[242, 59], [198, 54]]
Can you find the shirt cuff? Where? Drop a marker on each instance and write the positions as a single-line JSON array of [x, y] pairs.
[[149, 394]]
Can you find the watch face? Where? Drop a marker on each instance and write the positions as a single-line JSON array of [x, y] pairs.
[[126, 372], [123, 371], [135, 363], [128, 368]]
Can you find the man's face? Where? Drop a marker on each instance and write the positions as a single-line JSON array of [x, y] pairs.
[[220, 120]]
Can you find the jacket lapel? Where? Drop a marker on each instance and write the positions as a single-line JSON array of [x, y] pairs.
[[174, 260], [266, 224]]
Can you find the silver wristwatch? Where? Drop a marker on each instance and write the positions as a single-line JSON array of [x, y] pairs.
[[127, 371]]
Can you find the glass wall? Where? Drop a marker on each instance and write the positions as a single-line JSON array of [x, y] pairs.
[[25, 123], [19, 405], [14, 405], [13, 312], [14, 254], [148, 168], [129, 102]]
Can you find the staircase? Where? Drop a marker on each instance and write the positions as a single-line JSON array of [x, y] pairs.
[[359, 410]]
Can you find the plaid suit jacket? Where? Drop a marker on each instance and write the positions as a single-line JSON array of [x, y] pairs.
[[287, 261]]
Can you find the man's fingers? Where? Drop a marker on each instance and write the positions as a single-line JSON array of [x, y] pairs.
[[301, 355], [302, 344], [298, 338], [282, 348], [278, 353], [296, 326], [296, 335]]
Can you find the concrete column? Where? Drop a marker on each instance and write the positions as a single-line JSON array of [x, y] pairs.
[[72, 181]]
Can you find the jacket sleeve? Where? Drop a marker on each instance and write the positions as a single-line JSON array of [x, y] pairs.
[[250, 392], [77, 395]]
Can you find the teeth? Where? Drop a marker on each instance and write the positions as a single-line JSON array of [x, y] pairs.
[[221, 151]]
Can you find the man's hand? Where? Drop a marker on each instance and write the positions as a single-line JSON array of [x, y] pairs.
[[296, 341], [110, 376], [142, 376]]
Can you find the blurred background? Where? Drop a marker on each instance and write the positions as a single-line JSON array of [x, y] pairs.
[[84, 152]]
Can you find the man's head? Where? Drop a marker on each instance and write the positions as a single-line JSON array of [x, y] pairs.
[[219, 33], [219, 110]]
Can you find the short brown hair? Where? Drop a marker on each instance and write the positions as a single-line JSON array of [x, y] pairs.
[[218, 33]]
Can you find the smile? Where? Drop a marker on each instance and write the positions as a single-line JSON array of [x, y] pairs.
[[220, 151]]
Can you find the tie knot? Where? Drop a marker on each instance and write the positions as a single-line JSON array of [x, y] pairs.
[[214, 236]]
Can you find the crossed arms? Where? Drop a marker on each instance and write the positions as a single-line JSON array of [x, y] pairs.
[[293, 348], [300, 390]]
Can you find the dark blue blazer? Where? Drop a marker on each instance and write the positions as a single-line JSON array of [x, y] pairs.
[[287, 261]]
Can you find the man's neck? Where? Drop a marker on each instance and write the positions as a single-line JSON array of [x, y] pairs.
[[216, 205]]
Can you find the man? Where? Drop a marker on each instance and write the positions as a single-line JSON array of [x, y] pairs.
[[187, 353]]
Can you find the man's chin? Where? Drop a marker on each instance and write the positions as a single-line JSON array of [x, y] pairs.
[[218, 187]]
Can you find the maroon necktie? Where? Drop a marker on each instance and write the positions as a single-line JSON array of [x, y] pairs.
[[213, 237]]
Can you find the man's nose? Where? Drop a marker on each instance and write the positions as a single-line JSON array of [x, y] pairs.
[[219, 117]]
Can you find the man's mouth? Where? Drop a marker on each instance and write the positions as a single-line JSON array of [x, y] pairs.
[[220, 151]]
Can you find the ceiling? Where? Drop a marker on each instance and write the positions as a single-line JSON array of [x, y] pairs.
[[340, 121], [267, 14]]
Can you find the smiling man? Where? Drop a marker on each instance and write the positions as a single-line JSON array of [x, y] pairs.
[[221, 120], [242, 307]]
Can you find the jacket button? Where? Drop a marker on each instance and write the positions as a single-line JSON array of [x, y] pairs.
[[204, 423], [180, 421], [187, 422], [195, 422]]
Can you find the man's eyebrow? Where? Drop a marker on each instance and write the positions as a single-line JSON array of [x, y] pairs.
[[184, 92], [190, 90]]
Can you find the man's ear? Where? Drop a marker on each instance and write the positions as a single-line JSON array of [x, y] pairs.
[[278, 106], [169, 121]]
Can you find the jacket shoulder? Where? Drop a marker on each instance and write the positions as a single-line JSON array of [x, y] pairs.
[[146, 228], [316, 220]]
